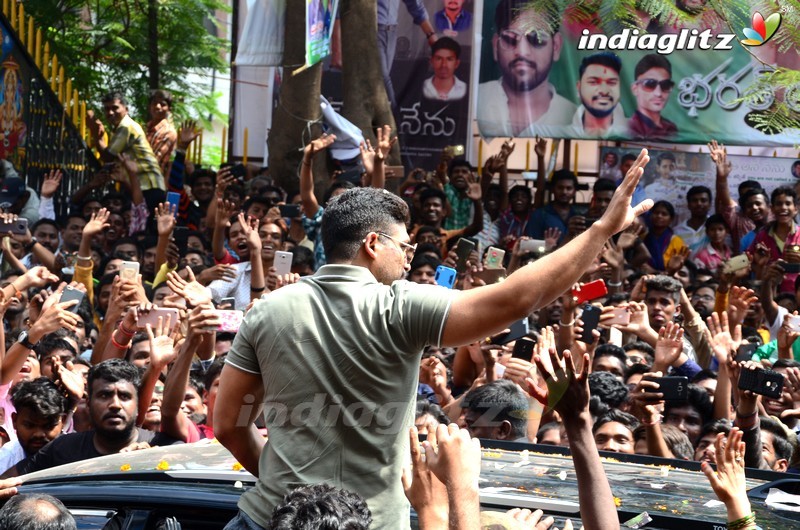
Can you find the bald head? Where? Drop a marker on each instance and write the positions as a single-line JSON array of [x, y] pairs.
[[36, 511]]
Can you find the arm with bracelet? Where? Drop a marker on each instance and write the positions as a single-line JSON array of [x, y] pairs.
[[97, 223]]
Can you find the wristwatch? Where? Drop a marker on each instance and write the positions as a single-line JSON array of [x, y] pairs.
[[30, 244], [23, 339]]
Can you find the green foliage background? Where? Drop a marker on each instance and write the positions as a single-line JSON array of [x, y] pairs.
[[105, 45]]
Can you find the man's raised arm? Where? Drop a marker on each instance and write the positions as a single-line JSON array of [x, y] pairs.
[[478, 313]]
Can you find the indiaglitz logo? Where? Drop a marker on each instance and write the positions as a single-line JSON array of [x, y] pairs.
[[762, 30], [684, 39]]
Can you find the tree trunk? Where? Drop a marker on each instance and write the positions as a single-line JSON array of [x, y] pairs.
[[152, 38], [365, 101], [298, 105]]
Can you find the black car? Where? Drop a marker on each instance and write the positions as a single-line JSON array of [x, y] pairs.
[[198, 486]]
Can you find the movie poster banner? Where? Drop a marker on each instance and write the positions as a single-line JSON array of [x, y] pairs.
[[599, 80], [670, 174], [427, 47], [320, 15]]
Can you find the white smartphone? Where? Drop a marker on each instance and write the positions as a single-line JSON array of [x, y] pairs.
[[794, 323], [129, 270], [533, 245], [736, 263], [283, 262]]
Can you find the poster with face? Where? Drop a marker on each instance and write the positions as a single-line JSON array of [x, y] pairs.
[[427, 79], [684, 77]]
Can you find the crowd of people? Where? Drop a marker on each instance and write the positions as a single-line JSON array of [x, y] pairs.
[[120, 329]]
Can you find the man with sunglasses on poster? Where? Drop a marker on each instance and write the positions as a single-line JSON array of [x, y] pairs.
[[525, 46], [652, 88]]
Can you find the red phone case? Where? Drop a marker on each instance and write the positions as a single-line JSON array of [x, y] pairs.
[[590, 291]]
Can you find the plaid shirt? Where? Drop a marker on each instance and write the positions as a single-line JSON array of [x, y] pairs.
[[460, 209], [129, 138], [163, 139]]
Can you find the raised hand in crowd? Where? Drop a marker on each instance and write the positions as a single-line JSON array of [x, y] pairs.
[[51, 183], [728, 480], [222, 271], [188, 133], [567, 391], [194, 293]]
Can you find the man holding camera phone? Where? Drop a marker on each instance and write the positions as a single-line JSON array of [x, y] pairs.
[[365, 238]]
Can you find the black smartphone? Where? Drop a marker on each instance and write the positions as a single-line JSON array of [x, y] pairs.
[[292, 211], [69, 294], [791, 268], [674, 388], [765, 382], [523, 349], [590, 319], [516, 331], [238, 171], [463, 250], [745, 352]]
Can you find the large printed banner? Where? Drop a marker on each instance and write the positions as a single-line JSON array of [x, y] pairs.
[[429, 80], [600, 80], [670, 174], [320, 15]]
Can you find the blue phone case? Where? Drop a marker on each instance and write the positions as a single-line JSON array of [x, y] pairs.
[[174, 200], [445, 276]]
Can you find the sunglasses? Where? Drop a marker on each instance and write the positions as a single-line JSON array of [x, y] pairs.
[[510, 39], [650, 84]]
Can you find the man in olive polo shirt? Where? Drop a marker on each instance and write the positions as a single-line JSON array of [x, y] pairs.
[[335, 357]]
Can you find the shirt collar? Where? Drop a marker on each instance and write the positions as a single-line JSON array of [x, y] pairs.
[[341, 270]]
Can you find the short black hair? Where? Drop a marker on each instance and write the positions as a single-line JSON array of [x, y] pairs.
[[51, 343], [608, 388], [564, 174], [628, 158], [788, 191], [745, 197], [748, 185], [616, 416], [303, 257], [601, 185], [697, 399], [114, 95], [697, 190], [641, 346], [458, 162], [665, 156], [349, 217], [446, 43], [609, 59], [652, 60], [161, 94], [521, 188], [420, 260], [714, 427], [41, 396], [321, 506], [717, 219], [611, 350], [666, 205], [36, 511], [44, 221], [425, 407], [666, 284], [780, 439], [212, 373], [112, 371], [505, 400], [430, 193]]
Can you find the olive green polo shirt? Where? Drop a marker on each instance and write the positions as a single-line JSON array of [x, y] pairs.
[[338, 354]]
